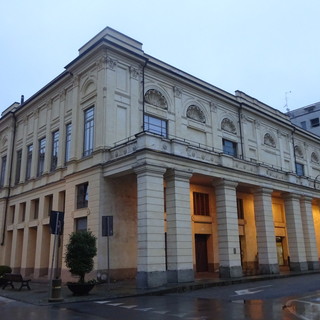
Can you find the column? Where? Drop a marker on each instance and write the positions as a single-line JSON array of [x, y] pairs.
[[228, 230], [266, 239], [151, 267], [179, 231], [298, 261], [309, 233]]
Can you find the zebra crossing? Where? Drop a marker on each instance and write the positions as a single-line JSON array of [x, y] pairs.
[[138, 308]]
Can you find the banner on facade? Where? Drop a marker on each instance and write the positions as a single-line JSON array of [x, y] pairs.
[[56, 222]]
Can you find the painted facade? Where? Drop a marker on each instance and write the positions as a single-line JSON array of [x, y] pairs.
[[195, 178]]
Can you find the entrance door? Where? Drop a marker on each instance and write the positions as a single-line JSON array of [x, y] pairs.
[[279, 242], [201, 252]]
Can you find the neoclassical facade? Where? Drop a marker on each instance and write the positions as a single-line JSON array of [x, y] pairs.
[[195, 178]]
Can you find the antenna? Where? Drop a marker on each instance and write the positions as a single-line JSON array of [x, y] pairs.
[[286, 98]]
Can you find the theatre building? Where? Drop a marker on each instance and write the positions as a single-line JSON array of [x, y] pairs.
[[197, 180]]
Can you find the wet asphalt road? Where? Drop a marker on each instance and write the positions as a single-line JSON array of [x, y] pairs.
[[281, 299]]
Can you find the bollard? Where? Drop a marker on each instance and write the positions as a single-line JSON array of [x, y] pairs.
[[55, 294]]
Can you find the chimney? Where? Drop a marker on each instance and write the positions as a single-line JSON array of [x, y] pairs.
[[22, 99]]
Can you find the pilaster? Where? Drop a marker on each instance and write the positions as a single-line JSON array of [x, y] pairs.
[[151, 268], [267, 251], [298, 261], [228, 230], [309, 232], [179, 232]]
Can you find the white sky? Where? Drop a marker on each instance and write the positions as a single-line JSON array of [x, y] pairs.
[[264, 48]]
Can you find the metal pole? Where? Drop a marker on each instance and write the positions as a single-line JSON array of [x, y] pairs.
[[108, 262]]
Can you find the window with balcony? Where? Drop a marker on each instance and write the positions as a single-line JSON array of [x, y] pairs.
[[299, 169], [155, 125], [229, 147]]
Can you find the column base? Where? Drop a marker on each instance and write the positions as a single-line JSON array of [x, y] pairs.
[[230, 272], [298, 266], [176, 276], [313, 265], [151, 279], [268, 268]]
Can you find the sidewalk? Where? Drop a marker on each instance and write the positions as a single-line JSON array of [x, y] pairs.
[[40, 292]]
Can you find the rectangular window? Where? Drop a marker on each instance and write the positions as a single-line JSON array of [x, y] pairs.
[[299, 169], [18, 166], [35, 208], [88, 131], [12, 213], [29, 161], [314, 122], [240, 208], [22, 212], [201, 204], [3, 170], [155, 125], [81, 224], [82, 195], [55, 150], [48, 201], [68, 142], [303, 125], [41, 156], [229, 147]]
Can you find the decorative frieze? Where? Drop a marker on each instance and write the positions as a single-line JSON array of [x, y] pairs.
[[111, 63], [195, 113], [156, 98]]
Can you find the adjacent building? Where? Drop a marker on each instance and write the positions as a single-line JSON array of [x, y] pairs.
[[195, 178], [307, 117]]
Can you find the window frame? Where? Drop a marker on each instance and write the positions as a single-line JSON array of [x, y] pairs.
[[314, 122], [54, 149], [82, 195], [41, 155], [159, 129], [299, 169], [3, 170], [88, 131], [201, 204], [230, 147], [67, 142], [29, 161], [18, 166]]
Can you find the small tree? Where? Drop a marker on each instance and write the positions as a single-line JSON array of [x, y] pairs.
[[81, 250]]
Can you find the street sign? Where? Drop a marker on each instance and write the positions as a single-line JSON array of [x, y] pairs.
[[107, 226]]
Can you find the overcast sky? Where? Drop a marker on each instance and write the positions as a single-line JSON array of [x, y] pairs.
[[268, 49]]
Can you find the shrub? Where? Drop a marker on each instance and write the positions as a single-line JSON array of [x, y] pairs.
[[81, 250], [4, 269]]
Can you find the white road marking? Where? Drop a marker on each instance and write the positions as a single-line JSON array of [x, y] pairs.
[[129, 307], [115, 304], [144, 309], [250, 290], [160, 312], [102, 302]]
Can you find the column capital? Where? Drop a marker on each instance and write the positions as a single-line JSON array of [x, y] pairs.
[[148, 168], [290, 196], [225, 183], [178, 174], [262, 190]]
